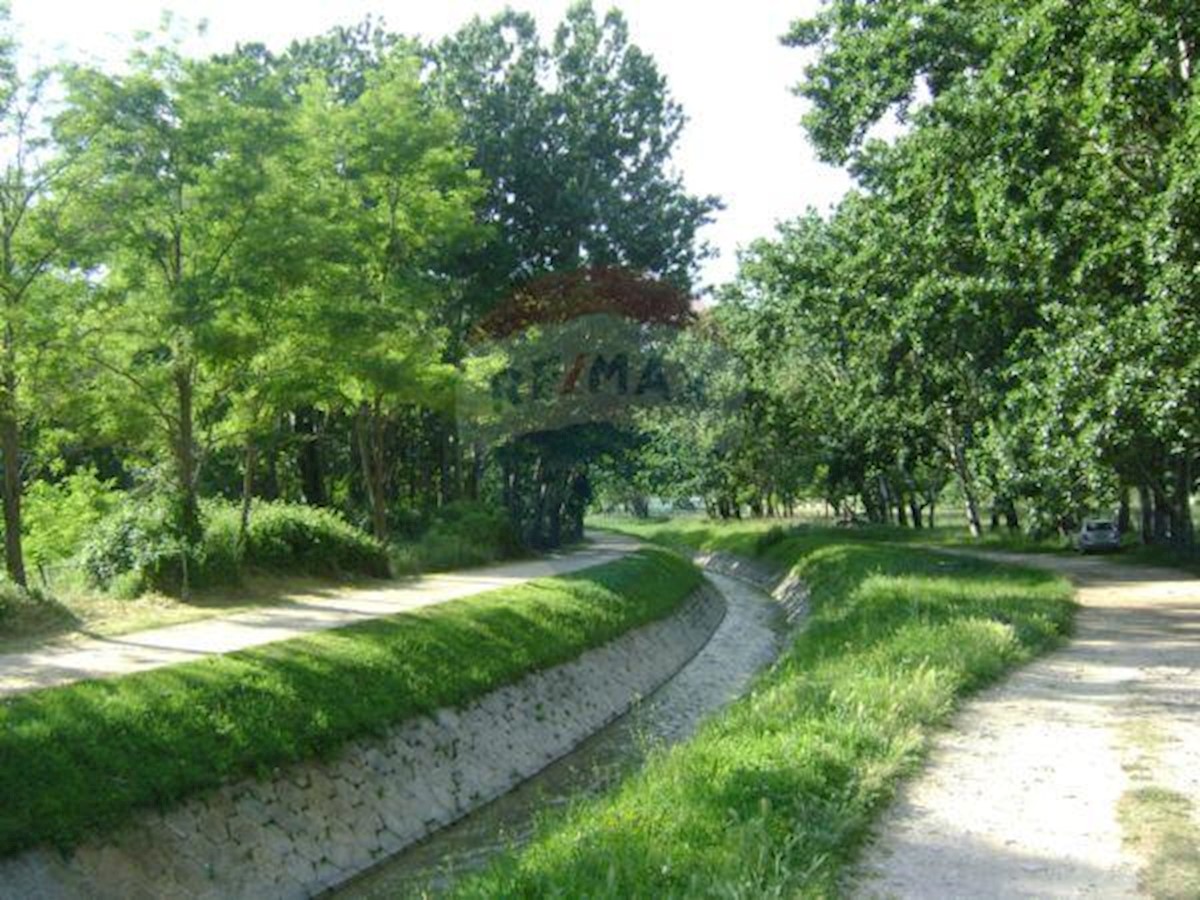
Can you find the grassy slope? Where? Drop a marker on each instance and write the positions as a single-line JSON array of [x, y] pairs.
[[85, 756], [774, 797], [741, 534]]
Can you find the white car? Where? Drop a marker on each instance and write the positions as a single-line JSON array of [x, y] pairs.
[[1098, 534]]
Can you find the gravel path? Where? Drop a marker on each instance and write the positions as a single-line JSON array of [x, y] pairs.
[[96, 657], [1020, 796]]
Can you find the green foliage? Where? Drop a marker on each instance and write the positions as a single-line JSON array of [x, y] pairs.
[[137, 543], [31, 611], [139, 547], [774, 796], [13, 597], [774, 535], [84, 757], [460, 535], [1005, 299], [285, 537], [575, 137], [59, 516]]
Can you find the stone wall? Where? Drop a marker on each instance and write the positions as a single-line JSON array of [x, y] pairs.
[[312, 826], [785, 587]]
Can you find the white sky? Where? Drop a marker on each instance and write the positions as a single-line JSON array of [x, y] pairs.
[[722, 60]]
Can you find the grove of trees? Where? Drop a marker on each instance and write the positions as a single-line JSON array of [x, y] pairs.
[[1008, 306], [264, 276], [255, 275]]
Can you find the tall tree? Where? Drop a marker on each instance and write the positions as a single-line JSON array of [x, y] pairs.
[[180, 148], [398, 199], [35, 237]]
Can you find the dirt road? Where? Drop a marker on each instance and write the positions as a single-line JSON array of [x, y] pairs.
[[100, 657], [1077, 777]]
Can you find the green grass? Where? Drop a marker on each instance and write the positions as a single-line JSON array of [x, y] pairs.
[[86, 756], [1161, 826], [775, 796], [740, 536]]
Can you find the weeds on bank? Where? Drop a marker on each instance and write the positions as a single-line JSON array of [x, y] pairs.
[[86, 756], [775, 796]]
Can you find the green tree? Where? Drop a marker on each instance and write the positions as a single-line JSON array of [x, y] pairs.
[[180, 149], [37, 234], [397, 198]]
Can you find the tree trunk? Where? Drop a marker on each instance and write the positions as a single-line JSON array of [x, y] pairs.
[[249, 459], [1184, 533], [10, 456], [1162, 515], [308, 457], [476, 471], [1011, 520], [10, 438], [370, 454], [885, 501], [185, 458], [1123, 517], [914, 509], [1147, 514], [963, 470]]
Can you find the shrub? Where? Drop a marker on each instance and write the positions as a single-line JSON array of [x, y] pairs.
[[288, 537], [30, 610], [460, 534], [8, 599], [776, 534], [59, 516], [137, 548], [478, 524], [136, 539]]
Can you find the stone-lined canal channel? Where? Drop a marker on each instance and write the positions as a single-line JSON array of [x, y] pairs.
[[749, 638]]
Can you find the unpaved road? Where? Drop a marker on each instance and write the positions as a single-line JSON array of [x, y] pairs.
[[1020, 796], [100, 657]]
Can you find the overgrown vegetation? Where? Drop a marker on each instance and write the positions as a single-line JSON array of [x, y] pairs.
[[460, 535], [775, 796], [137, 547], [85, 756]]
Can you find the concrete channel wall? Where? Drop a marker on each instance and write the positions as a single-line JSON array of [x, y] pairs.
[[785, 588], [312, 826]]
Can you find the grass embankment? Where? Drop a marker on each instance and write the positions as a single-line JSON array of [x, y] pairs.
[[87, 755], [741, 533], [775, 796]]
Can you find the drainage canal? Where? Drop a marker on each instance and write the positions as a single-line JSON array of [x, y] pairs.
[[749, 638]]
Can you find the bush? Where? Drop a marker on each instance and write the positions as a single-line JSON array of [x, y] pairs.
[[460, 534], [10, 596], [134, 543], [478, 524], [288, 537], [776, 534], [59, 516], [137, 547], [24, 611]]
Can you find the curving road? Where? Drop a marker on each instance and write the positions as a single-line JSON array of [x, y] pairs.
[[106, 657], [1020, 797]]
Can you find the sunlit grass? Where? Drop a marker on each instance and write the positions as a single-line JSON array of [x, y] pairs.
[[86, 756], [775, 796]]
